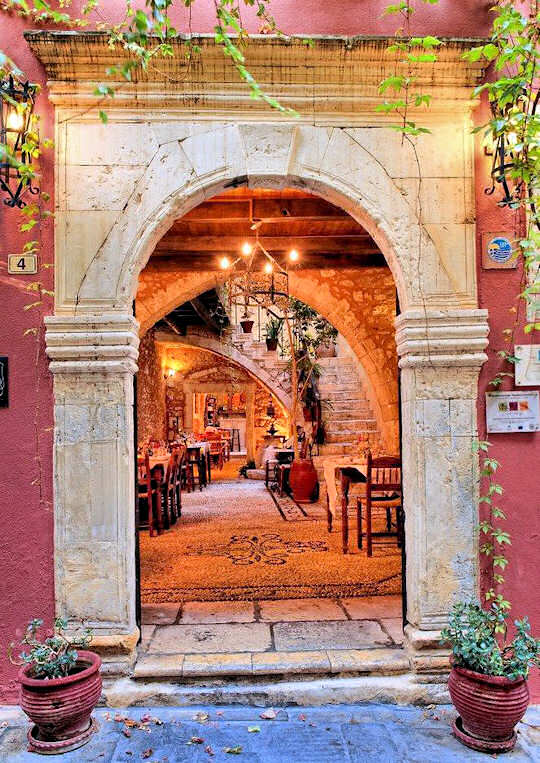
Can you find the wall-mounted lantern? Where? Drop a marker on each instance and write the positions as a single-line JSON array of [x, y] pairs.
[[17, 106]]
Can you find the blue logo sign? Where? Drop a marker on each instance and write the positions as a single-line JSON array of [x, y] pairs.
[[499, 249]]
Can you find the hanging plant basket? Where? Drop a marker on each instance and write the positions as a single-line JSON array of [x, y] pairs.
[[247, 325]]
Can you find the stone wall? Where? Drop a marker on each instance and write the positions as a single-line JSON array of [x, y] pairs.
[[151, 421]]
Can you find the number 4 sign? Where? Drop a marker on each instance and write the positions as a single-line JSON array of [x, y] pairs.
[[24, 264]]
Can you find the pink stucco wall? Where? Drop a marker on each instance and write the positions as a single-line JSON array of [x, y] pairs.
[[26, 545]]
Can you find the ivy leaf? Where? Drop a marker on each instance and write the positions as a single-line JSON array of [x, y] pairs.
[[103, 116]]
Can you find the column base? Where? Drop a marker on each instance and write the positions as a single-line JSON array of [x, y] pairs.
[[428, 659], [118, 652]]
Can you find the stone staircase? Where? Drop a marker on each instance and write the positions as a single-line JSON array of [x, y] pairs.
[[346, 410]]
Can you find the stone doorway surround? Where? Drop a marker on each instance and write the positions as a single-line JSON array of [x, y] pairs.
[[120, 187]]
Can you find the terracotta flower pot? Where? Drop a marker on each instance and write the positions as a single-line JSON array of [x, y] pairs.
[[303, 480], [271, 344], [247, 326], [61, 707], [326, 350], [489, 706]]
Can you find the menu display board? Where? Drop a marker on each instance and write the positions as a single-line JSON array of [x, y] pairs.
[[512, 412]]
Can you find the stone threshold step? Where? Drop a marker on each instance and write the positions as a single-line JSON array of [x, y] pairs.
[[336, 690], [246, 664]]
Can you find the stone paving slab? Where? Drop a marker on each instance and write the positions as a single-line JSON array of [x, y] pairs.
[[394, 627], [200, 639], [373, 607], [291, 610], [330, 734], [159, 614], [203, 612], [329, 635]]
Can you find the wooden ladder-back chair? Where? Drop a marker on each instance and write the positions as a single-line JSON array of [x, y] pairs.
[[168, 492], [178, 478], [216, 452], [194, 461], [149, 498], [383, 490]]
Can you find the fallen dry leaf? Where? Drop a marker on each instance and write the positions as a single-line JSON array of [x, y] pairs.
[[233, 750], [269, 715], [254, 729], [147, 753], [119, 718], [196, 740], [201, 717], [301, 717], [209, 750], [126, 733]]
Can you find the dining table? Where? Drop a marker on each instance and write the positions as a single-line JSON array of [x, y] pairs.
[[347, 470]]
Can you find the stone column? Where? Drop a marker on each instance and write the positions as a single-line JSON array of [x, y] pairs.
[[93, 359], [440, 358]]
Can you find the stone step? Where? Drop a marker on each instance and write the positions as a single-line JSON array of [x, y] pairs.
[[305, 691], [351, 413], [369, 661], [345, 438], [334, 449], [351, 426]]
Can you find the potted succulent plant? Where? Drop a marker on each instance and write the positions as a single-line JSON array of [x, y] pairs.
[[271, 332], [488, 680], [60, 686]]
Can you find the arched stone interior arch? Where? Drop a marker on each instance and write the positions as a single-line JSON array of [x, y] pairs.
[[92, 339]]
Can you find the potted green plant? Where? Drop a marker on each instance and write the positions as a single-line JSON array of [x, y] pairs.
[[488, 680], [246, 323], [271, 332], [60, 686]]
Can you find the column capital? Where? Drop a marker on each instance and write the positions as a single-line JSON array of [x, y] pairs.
[[442, 338], [106, 343]]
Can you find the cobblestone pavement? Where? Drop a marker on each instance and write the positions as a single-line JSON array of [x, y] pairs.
[[353, 734]]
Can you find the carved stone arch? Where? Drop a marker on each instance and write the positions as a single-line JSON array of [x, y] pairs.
[[92, 339], [329, 162], [210, 344]]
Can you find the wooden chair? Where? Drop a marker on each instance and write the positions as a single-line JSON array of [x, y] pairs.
[[168, 493], [180, 462], [384, 491], [226, 442], [149, 498], [194, 462], [216, 452]]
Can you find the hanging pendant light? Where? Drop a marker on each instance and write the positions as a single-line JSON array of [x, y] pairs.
[[17, 106]]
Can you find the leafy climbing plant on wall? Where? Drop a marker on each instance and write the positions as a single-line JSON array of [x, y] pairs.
[[145, 35]]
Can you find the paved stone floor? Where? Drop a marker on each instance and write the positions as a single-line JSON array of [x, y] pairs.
[[285, 636], [352, 734]]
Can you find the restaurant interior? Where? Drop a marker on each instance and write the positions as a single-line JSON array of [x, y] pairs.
[[267, 473]]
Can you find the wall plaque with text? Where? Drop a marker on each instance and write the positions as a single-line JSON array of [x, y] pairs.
[[512, 411]]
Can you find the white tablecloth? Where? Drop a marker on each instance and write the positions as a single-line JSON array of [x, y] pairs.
[[160, 461], [329, 466], [204, 445]]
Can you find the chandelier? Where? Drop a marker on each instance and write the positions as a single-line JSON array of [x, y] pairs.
[[16, 108], [256, 278]]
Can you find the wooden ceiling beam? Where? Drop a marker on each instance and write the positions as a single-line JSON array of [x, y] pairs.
[[171, 262], [335, 243]]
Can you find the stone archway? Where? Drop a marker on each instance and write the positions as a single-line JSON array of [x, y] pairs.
[[92, 343]]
